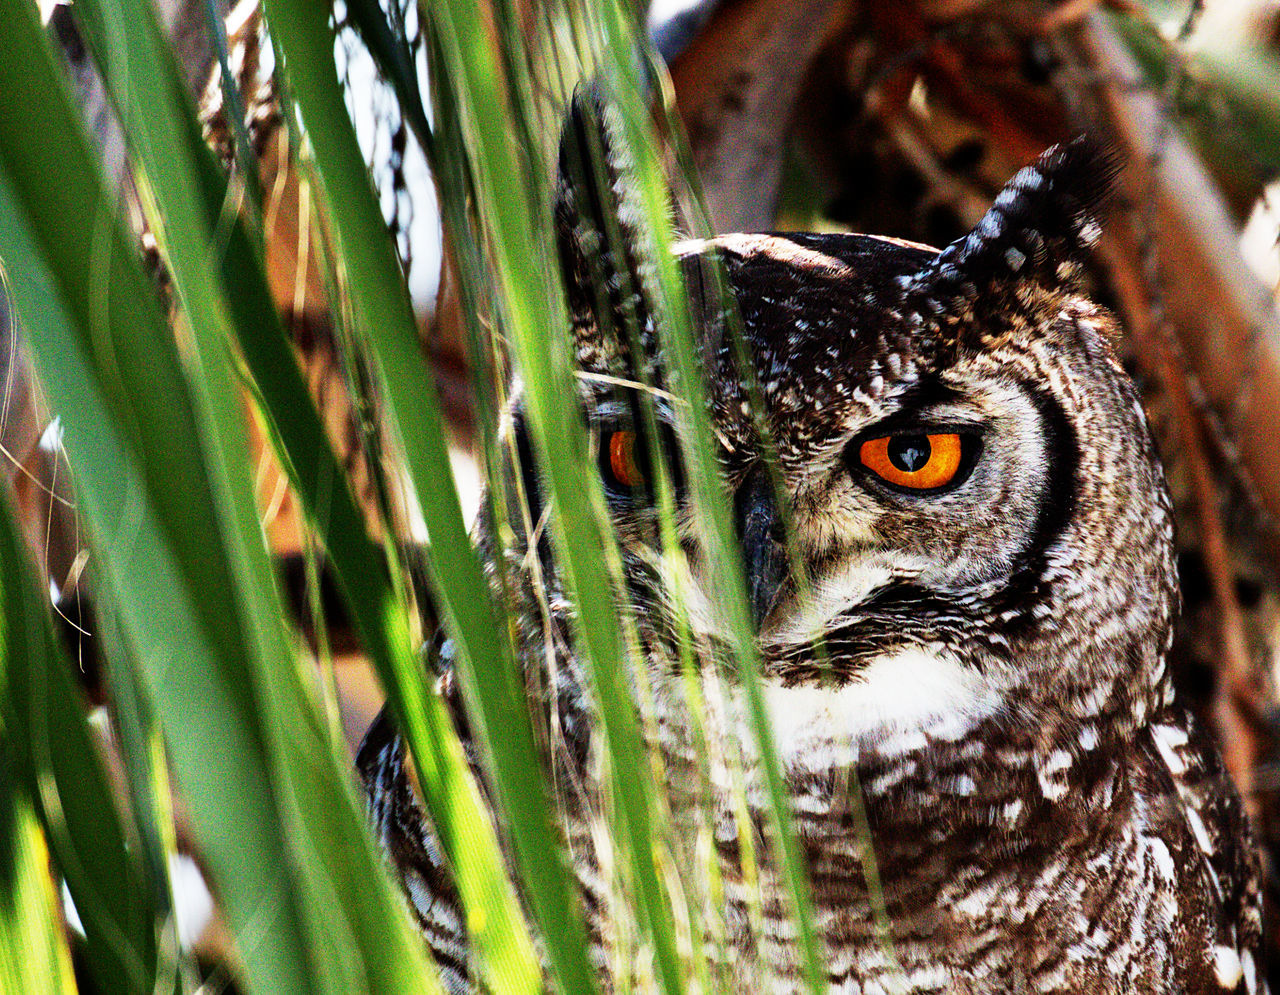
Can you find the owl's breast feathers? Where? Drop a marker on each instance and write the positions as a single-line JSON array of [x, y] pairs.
[[1143, 879]]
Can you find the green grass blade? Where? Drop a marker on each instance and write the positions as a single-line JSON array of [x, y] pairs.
[[494, 687], [294, 424], [359, 935], [33, 949], [110, 368], [48, 746], [143, 762], [219, 760], [538, 328], [676, 327], [395, 62], [246, 160]]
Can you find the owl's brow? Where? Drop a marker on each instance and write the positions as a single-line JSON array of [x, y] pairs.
[[604, 378], [928, 392]]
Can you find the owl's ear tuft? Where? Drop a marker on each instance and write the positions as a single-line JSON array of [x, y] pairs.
[[1042, 225], [599, 231]]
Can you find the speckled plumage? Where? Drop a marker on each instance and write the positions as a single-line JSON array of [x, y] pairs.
[[978, 672]]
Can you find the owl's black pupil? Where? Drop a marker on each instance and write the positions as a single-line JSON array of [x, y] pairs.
[[909, 453]]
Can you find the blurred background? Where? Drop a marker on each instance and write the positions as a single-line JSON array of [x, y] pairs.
[[898, 118]]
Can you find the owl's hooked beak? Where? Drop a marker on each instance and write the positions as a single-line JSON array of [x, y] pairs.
[[764, 555]]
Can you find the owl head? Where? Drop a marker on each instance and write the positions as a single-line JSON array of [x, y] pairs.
[[979, 530]]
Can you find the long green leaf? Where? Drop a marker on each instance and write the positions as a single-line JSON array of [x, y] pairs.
[[33, 948], [348, 896], [48, 751], [537, 324], [495, 688], [109, 365], [725, 556]]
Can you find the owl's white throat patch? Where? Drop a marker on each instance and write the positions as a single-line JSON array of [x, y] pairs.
[[902, 701]]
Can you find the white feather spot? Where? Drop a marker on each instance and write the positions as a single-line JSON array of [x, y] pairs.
[[1250, 972], [1053, 787], [1227, 967], [1161, 855], [990, 226], [1168, 739], [1198, 831], [1056, 761], [1172, 735]]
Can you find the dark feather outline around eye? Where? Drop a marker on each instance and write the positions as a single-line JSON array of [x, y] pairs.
[[971, 447], [641, 454]]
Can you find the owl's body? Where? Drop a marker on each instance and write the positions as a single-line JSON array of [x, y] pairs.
[[963, 637]]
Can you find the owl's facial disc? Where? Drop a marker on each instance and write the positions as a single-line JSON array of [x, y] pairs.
[[917, 517], [907, 520], [913, 523]]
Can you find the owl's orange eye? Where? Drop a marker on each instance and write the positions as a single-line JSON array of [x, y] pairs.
[[621, 451], [918, 461]]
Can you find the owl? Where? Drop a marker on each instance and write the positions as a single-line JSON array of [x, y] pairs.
[[958, 551]]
